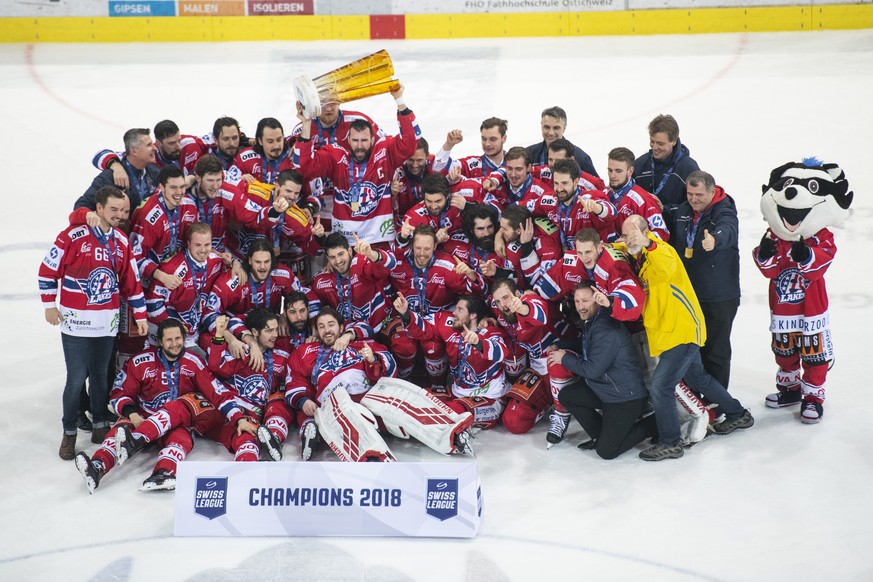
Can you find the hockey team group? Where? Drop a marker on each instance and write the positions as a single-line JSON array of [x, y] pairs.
[[455, 293]]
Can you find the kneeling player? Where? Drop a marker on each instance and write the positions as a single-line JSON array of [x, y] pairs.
[[165, 374], [476, 352], [329, 385], [255, 404]]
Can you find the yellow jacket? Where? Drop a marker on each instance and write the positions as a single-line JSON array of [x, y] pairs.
[[672, 314]]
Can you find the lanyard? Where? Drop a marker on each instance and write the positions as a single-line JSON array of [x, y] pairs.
[[667, 174], [198, 273], [254, 290], [488, 166], [344, 293], [277, 232], [108, 242], [141, 181], [225, 160], [298, 338], [320, 359], [517, 195], [204, 209], [355, 179], [268, 364], [330, 131], [479, 256], [566, 221], [270, 168], [692, 232], [173, 372], [419, 283], [615, 197], [173, 219], [512, 332], [415, 182]]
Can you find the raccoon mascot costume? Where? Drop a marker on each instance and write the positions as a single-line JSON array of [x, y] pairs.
[[799, 203]]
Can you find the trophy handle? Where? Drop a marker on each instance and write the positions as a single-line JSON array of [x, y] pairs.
[[306, 93]]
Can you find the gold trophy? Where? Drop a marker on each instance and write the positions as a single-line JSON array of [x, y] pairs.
[[368, 76]]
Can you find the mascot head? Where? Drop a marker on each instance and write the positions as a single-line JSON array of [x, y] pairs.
[[803, 198]]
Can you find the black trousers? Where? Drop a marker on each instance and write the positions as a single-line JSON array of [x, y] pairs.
[[617, 427], [716, 354]]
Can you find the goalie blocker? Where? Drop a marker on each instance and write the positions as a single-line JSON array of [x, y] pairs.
[[350, 428]]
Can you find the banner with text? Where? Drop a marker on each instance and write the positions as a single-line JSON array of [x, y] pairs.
[[328, 499]]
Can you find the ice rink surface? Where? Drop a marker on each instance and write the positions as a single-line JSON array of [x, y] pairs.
[[782, 501]]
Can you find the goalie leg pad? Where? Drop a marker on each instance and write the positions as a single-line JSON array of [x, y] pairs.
[[693, 415], [407, 410], [349, 429]]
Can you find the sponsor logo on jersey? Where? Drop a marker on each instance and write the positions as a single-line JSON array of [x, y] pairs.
[[210, 497], [791, 286], [142, 359], [100, 286], [441, 500], [549, 201], [78, 233], [153, 216], [248, 155], [387, 227]]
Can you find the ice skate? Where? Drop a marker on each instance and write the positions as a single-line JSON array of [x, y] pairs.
[[91, 475], [462, 441], [270, 443], [559, 423], [126, 444], [160, 480], [308, 439]]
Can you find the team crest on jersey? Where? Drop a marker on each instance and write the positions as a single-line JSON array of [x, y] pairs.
[[159, 400], [344, 359], [213, 302], [466, 375], [368, 199], [791, 286], [100, 286], [254, 389]]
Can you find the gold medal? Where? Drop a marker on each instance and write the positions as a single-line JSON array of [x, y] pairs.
[[356, 206], [689, 252]]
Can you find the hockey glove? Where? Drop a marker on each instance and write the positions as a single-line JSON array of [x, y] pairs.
[[799, 251], [767, 248]]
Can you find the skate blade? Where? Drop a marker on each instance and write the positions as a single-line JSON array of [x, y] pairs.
[[82, 466], [168, 485]]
